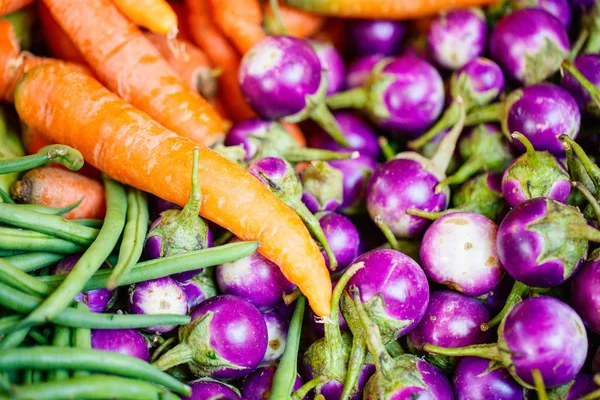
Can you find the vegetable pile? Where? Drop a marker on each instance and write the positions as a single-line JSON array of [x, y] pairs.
[[299, 199]]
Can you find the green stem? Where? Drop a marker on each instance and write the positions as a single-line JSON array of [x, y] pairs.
[[590, 167], [56, 153], [540, 388], [470, 167], [325, 119], [584, 231], [162, 348], [591, 396], [589, 197], [578, 44], [445, 150], [490, 113], [34, 260], [82, 339], [525, 142], [307, 387], [277, 14], [386, 149], [301, 154], [13, 276], [488, 351], [588, 86], [448, 119], [180, 354], [192, 207], [27, 240], [516, 295], [315, 229], [61, 339], [429, 214], [224, 238], [387, 232], [576, 170], [355, 364], [353, 98], [5, 197]]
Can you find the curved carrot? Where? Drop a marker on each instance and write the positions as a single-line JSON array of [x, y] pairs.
[[58, 42], [155, 15], [8, 6], [131, 147], [297, 23], [390, 9], [240, 21], [134, 69], [223, 56], [58, 188]]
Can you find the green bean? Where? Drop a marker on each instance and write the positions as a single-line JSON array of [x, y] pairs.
[[5, 197], [90, 261], [90, 223], [134, 236], [27, 240], [10, 253], [14, 338], [50, 210], [7, 323], [52, 358], [38, 337], [91, 387], [82, 339], [62, 339], [13, 276], [49, 224], [160, 267], [56, 153], [162, 348], [34, 260]]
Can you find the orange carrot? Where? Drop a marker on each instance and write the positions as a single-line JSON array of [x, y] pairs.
[[8, 6], [297, 23], [192, 65], [222, 54], [390, 9], [134, 149], [240, 21], [155, 15], [183, 31], [134, 69], [58, 187], [296, 133], [58, 42]]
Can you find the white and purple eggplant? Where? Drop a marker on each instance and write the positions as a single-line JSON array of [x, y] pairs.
[[529, 44], [540, 334], [377, 36], [342, 236], [478, 378], [355, 176], [582, 80], [459, 250], [360, 69], [207, 388], [128, 342], [585, 292], [322, 187], [158, 296], [277, 328], [226, 339], [495, 299], [257, 385], [332, 63], [457, 37], [199, 288], [559, 8], [281, 77]]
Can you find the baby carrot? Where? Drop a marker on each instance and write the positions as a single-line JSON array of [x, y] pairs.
[[297, 23], [134, 69], [55, 187], [58, 42], [222, 54], [155, 15], [240, 21], [8, 6], [159, 162]]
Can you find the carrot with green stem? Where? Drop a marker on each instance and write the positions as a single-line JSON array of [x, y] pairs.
[[297, 23], [8, 6], [133, 68], [240, 21], [159, 162], [155, 15]]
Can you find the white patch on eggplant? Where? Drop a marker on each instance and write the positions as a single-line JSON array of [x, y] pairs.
[[461, 327], [163, 299], [277, 337], [238, 332]]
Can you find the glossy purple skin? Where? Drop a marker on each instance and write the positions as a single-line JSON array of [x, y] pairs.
[[97, 299], [585, 294], [273, 167], [473, 381], [381, 36], [359, 70], [342, 236], [331, 62], [485, 75], [459, 250], [519, 247], [128, 342], [313, 205], [241, 131], [257, 385], [397, 185], [495, 299], [546, 334], [363, 376], [277, 74], [584, 384], [194, 293], [158, 296], [399, 280], [357, 131], [435, 381], [415, 98], [277, 329], [514, 193], [457, 37], [355, 174], [559, 8], [238, 333], [158, 205], [541, 114], [589, 66], [451, 320], [209, 389], [331, 390], [522, 34], [255, 279]]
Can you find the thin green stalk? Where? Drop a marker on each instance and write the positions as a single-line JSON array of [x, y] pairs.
[[589, 197], [387, 232], [56, 153], [313, 226], [540, 388]]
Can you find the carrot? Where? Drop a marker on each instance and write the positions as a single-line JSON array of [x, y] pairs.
[[58, 42], [8, 6], [190, 63], [134, 149], [240, 21], [222, 54], [296, 133], [334, 32], [58, 188], [390, 9], [183, 31], [297, 23], [134, 69], [155, 15]]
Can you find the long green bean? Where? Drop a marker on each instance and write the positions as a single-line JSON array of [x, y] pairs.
[[50, 210], [5, 197], [13, 276], [33, 260], [82, 339], [52, 358], [14, 339], [56, 153], [90, 261], [61, 339], [90, 223], [28, 240]]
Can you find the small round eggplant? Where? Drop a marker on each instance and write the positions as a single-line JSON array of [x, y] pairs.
[[477, 378], [360, 70], [198, 289], [342, 236], [257, 385], [355, 173], [207, 388], [379, 36], [128, 342], [277, 328], [587, 65], [559, 8], [585, 292], [332, 63]]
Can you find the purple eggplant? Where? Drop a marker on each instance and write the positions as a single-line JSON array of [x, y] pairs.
[[281, 78], [529, 44], [379, 36], [128, 342], [355, 175], [477, 378], [277, 328], [459, 250], [158, 296], [482, 195], [495, 299], [97, 300], [585, 292], [158, 205], [332, 63], [582, 385], [582, 5], [208, 389], [198, 289], [403, 94], [360, 69], [255, 279], [582, 80], [535, 174], [179, 231], [322, 187], [559, 8], [257, 385], [226, 339], [541, 333], [456, 37], [342, 236]]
